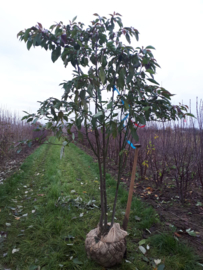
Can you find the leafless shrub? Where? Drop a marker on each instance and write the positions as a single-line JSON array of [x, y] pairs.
[[13, 130], [198, 142], [169, 151], [183, 154]]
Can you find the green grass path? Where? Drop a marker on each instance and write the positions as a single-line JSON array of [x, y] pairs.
[[49, 205]]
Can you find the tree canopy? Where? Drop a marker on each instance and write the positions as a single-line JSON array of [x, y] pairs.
[[101, 61]]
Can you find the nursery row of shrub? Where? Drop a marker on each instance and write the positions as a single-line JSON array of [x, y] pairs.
[[170, 151], [12, 131]]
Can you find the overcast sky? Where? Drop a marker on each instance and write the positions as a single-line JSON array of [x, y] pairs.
[[173, 27]]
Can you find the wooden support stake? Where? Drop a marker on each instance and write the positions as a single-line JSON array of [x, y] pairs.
[[130, 194]]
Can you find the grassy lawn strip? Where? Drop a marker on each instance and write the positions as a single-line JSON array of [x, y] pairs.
[[48, 207]]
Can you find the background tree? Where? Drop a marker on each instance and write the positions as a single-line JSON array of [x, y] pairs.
[[102, 62]]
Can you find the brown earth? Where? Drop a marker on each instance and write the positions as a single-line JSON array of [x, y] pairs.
[[12, 164]]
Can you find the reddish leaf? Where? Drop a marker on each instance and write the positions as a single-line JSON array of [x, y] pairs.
[[40, 25], [177, 234]]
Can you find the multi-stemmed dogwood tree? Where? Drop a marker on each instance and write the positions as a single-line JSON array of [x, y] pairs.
[[101, 61]]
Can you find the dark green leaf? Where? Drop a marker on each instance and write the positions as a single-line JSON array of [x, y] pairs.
[[60, 115], [84, 61], [93, 122], [35, 120], [102, 39], [74, 19], [93, 59], [55, 54], [145, 61], [136, 36], [97, 114], [29, 44], [48, 125], [134, 134], [89, 90], [20, 33], [99, 95], [82, 94], [150, 71], [27, 33], [153, 81], [127, 37], [121, 79], [140, 119], [44, 45], [65, 117], [126, 105], [150, 47], [58, 31], [146, 108], [110, 46], [190, 114], [29, 120], [53, 113], [102, 75], [78, 123], [156, 65], [109, 105], [73, 62], [37, 40], [104, 61], [65, 52], [119, 22], [131, 71], [52, 26], [25, 117], [76, 46], [58, 105]]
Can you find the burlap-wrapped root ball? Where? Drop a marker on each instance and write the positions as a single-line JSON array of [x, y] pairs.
[[109, 250]]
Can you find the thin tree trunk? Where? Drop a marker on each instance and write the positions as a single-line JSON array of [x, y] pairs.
[[116, 195], [101, 181], [104, 179]]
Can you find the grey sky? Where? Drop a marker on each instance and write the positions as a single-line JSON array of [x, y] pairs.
[[173, 27]]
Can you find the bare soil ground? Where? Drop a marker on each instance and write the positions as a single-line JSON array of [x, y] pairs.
[[13, 163]]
